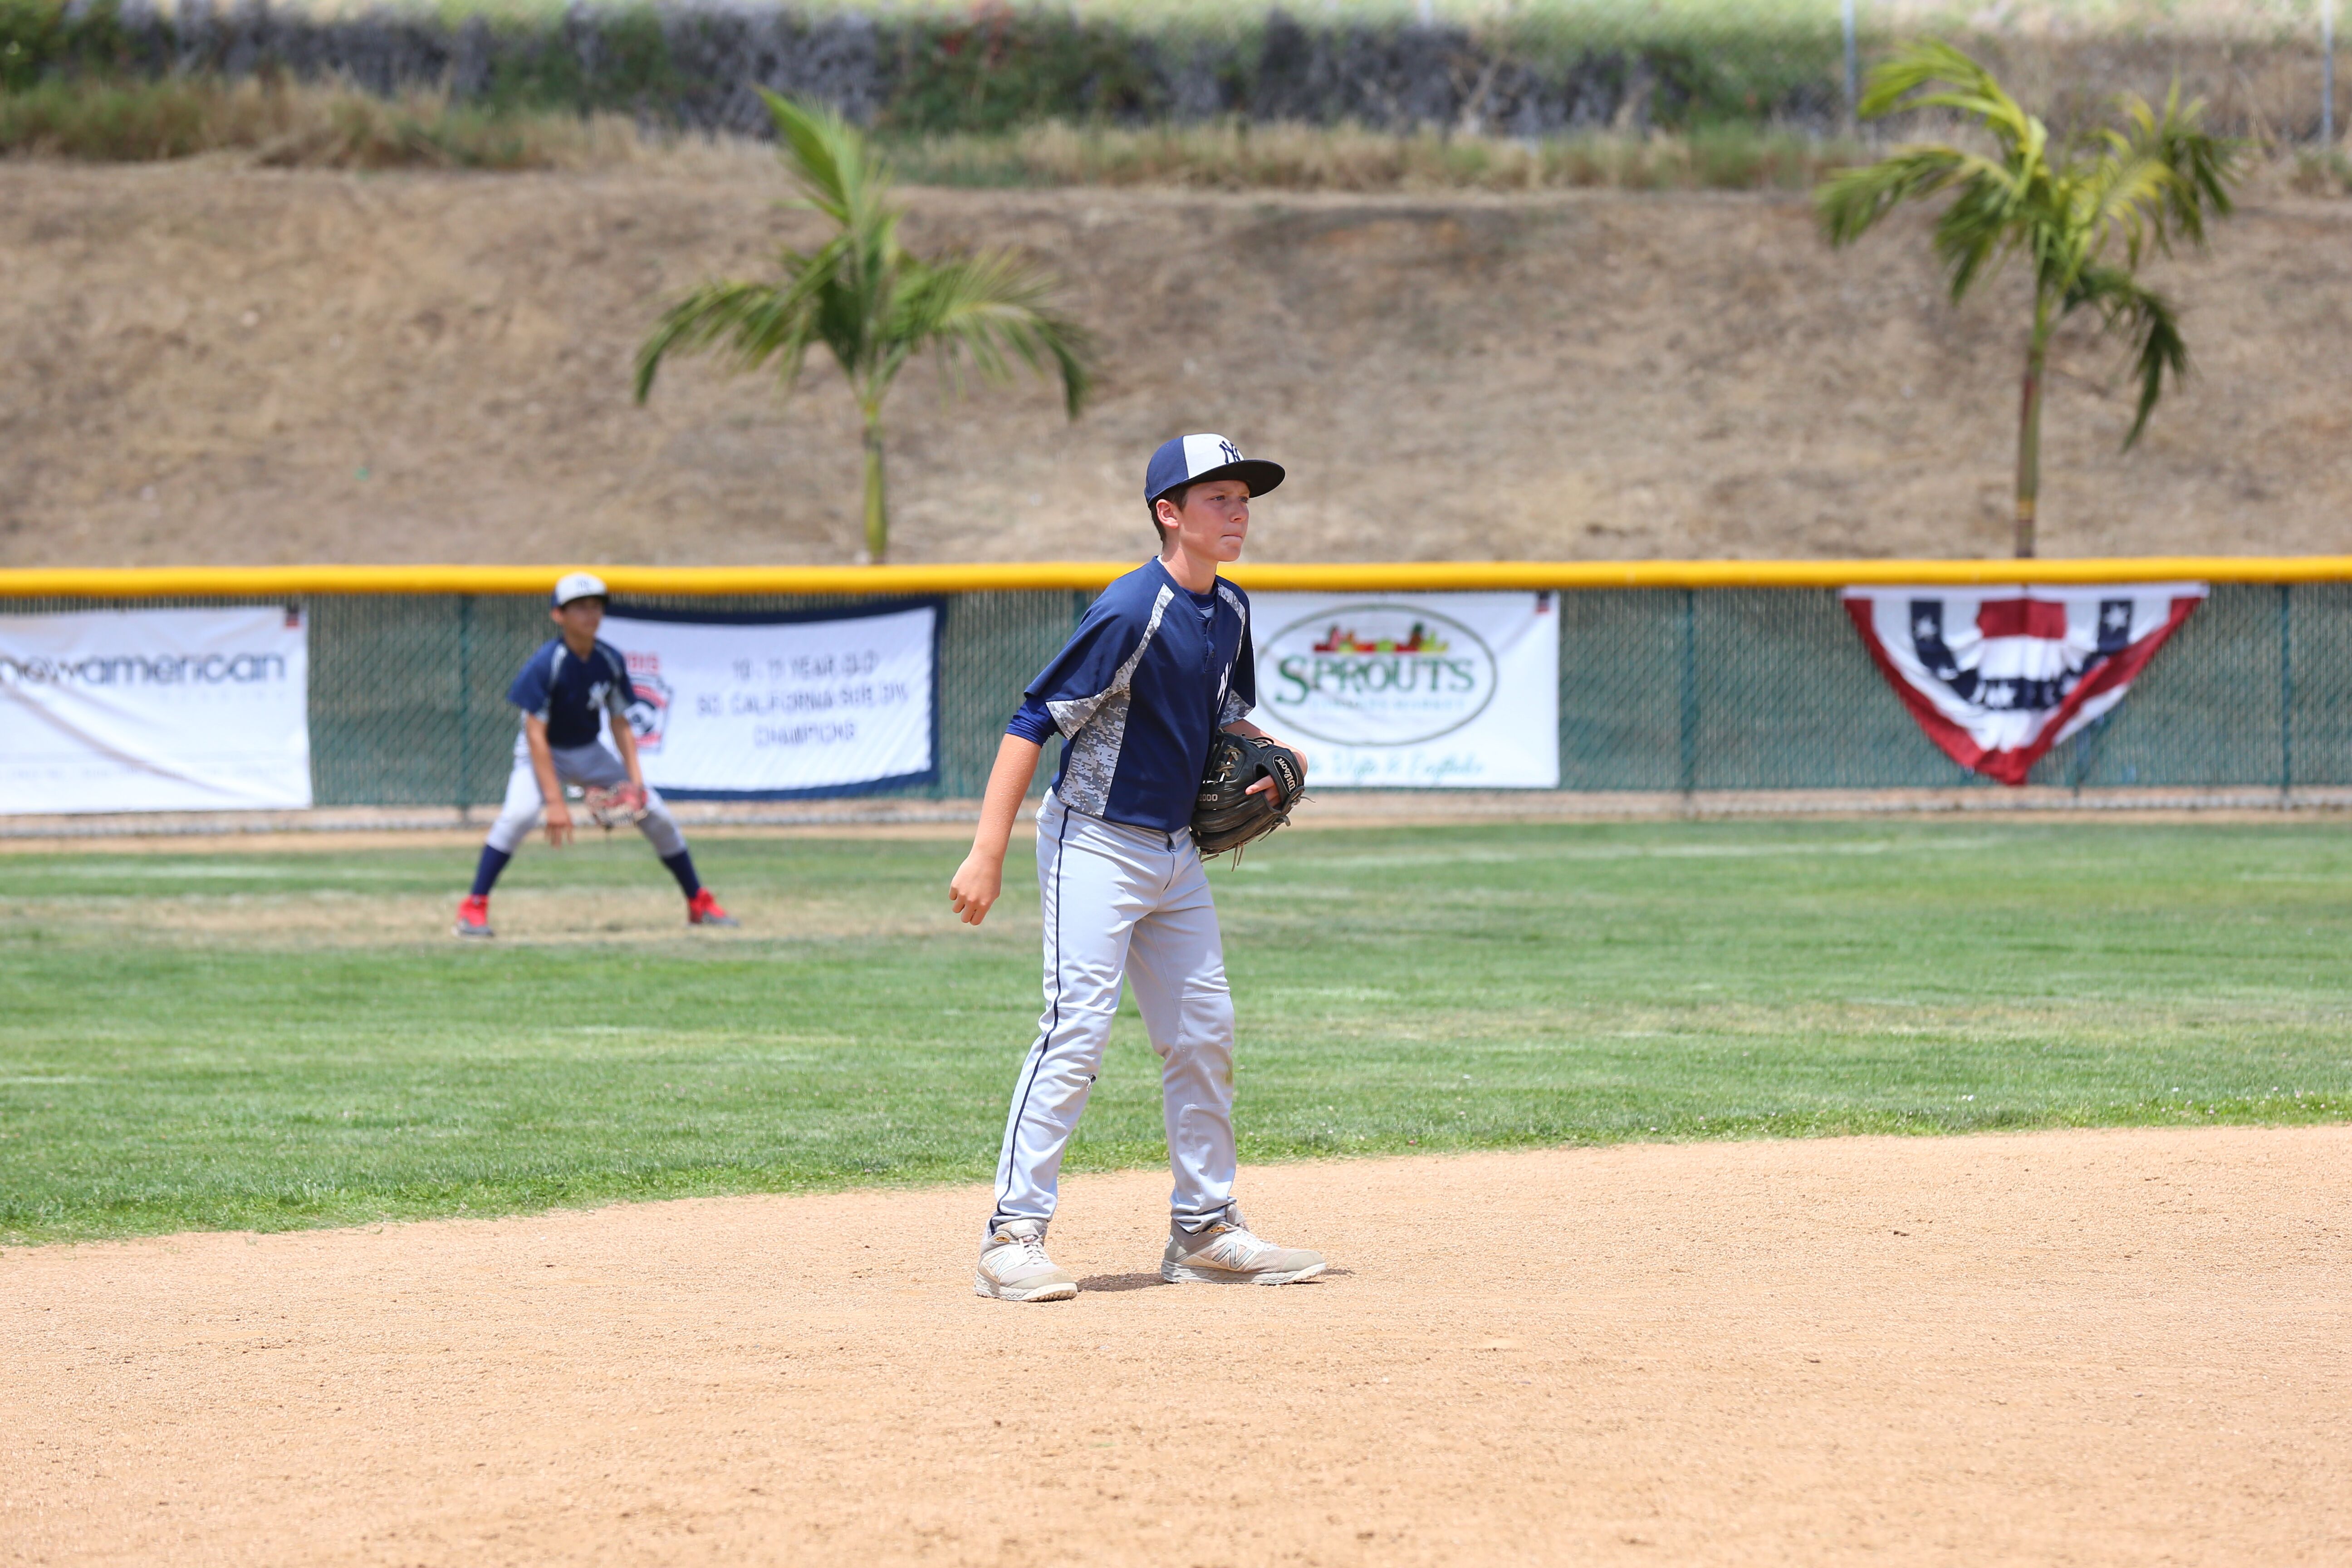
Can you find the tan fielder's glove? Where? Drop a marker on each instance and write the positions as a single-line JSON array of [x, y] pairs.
[[621, 807]]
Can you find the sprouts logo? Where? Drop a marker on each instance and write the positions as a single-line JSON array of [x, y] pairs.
[[1376, 675]]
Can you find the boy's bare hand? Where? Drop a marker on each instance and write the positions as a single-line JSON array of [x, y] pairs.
[[559, 826], [973, 890]]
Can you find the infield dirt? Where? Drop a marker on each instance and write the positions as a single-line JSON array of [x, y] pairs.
[[2125, 1347], [225, 365]]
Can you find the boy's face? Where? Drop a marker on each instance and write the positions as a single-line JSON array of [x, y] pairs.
[[579, 619], [1213, 520]]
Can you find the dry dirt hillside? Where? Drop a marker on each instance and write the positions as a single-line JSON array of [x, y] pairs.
[[210, 363]]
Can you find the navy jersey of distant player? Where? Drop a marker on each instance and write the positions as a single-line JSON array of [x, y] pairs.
[[1139, 693], [567, 693]]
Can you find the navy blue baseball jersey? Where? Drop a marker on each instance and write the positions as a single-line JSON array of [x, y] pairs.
[[1142, 687], [567, 693]]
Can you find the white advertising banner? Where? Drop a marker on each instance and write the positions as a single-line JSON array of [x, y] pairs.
[[768, 707], [155, 710], [1412, 691]]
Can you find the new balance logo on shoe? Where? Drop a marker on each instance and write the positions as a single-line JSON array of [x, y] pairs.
[[1226, 1253]]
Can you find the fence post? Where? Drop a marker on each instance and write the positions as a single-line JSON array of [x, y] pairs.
[[465, 703], [2286, 693], [1852, 78], [1690, 720], [2327, 75]]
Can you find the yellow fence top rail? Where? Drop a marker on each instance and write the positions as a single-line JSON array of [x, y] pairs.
[[1404, 576]]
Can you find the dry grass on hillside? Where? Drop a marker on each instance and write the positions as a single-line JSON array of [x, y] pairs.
[[269, 124], [273, 125], [229, 364]]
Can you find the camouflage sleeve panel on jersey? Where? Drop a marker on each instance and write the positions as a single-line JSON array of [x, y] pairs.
[[1095, 665]]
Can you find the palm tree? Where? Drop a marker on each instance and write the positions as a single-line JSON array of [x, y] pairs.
[[2085, 220], [869, 303]]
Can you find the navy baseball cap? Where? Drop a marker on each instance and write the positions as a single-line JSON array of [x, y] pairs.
[[1189, 459]]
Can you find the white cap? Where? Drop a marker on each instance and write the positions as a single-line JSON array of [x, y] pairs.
[[579, 585]]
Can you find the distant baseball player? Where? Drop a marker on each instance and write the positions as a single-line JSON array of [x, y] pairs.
[[564, 690], [1158, 664]]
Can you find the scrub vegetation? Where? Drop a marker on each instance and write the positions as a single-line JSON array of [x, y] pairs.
[[273, 125], [278, 126]]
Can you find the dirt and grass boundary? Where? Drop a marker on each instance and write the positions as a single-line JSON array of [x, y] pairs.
[[884, 816]]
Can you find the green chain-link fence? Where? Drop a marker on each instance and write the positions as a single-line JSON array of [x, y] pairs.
[[1667, 689], [1772, 688], [408, 691]]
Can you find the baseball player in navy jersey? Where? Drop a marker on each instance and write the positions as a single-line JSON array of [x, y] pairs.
[[1158, 664], [566, 690]]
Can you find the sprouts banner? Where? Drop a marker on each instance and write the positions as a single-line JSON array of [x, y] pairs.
[[155, 710], [1998, 676], [785, 705], [1412, 691]]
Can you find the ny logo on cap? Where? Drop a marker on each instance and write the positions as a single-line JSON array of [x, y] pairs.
[[1232, 453]]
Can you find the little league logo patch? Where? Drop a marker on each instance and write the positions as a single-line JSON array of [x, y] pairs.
[[1998, 676], [649, 699]]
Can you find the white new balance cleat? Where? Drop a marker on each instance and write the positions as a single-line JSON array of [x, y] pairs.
[[1013, 1265], [1226, 1253]]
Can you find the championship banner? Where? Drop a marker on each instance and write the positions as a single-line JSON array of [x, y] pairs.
[[783, 706], [1412, 691], [1998, 676], [155, 710]]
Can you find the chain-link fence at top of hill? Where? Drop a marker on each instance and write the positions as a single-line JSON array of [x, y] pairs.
[[1524, 69]]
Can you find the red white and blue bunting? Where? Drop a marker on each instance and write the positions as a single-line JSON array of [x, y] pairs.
[[1998, 676]]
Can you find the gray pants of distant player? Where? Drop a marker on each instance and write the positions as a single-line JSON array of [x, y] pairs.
[[1125, 901], [591, 766]]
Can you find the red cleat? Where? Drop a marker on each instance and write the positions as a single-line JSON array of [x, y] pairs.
[[702, 909], [473, 916]]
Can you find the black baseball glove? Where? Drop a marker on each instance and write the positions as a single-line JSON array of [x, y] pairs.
[[1226, 815]]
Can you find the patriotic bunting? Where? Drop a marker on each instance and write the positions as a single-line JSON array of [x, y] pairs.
[[1998, 676]]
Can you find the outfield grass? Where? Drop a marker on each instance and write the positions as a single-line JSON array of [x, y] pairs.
[[277, 1040]]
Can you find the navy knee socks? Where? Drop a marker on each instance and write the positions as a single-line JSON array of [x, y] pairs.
[[486, 874]]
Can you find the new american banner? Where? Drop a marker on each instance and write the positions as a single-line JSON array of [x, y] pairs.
[[1998, 676], [104, 710]]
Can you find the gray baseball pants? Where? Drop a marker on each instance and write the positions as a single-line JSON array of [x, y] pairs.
[[1128, 903], [591, 766]]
